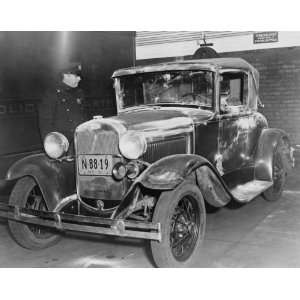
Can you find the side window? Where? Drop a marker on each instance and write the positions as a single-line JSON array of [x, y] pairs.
[[233, 91]]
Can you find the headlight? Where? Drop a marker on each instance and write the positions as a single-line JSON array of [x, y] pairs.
[[56, 144], [132, 145]]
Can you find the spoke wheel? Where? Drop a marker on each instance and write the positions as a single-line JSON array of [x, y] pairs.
[[278, 172], [184, 228], [26, 193], [181, 214]]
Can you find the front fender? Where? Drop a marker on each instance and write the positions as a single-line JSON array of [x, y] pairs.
[[56, 179], [269, 139], [169, 172]]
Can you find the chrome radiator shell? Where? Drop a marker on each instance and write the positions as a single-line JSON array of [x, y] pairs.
[[99, 137]]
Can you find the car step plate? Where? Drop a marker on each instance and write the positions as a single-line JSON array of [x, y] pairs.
[[248, 191]]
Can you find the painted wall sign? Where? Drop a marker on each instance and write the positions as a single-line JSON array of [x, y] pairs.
[[16, 108], [265, 37]]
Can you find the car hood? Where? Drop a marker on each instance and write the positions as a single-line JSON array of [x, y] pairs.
[[162, 118], [153, 122]]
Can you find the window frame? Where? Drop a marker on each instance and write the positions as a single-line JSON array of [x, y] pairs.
[[243, 107], [119, 99]]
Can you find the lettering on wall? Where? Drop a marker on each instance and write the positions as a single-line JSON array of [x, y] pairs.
[[14, 108], [265, 37]]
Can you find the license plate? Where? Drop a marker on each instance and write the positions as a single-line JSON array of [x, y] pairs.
[[95, 165]]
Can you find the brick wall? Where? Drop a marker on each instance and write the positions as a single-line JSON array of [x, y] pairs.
[[279, 85]]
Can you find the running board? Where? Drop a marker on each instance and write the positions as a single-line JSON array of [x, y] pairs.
[[248, 191]]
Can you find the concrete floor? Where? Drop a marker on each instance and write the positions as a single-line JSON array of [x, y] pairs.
[[259, 234]]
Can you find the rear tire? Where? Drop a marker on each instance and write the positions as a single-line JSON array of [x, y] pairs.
[[182, 216], [274, 193], [27, 194]]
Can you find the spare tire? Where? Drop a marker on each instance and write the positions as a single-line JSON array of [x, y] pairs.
[[205, 52]]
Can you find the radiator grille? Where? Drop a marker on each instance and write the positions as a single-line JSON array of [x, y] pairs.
[[157, 150], [97, 142]]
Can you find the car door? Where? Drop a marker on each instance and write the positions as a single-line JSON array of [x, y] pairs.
[[235, 122]]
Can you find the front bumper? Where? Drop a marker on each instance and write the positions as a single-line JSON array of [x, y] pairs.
[[80, 223]]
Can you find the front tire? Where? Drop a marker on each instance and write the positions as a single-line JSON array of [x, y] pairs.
[[182, 216], [27, 194]]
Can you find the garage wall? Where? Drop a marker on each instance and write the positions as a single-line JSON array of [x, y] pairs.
[[159, 44], [30, 64]]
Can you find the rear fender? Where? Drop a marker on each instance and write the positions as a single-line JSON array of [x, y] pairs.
[[169, 172], [271, 138], [56, 179]]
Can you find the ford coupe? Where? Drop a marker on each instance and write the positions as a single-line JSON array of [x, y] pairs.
[[187, 135]]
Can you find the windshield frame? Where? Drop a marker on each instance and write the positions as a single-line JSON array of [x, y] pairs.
[[117, 87]]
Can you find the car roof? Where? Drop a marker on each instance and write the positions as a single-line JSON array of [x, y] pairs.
[[212, 64]]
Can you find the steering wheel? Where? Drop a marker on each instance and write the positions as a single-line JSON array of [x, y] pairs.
[[198, 97]]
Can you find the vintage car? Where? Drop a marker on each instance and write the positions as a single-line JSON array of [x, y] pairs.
[[187, 136]]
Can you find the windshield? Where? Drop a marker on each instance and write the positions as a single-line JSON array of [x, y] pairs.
[[193, 88]]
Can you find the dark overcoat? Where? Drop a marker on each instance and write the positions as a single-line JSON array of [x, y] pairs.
[[62, 109]]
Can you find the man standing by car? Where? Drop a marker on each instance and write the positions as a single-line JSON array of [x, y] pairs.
[[63, 107]]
